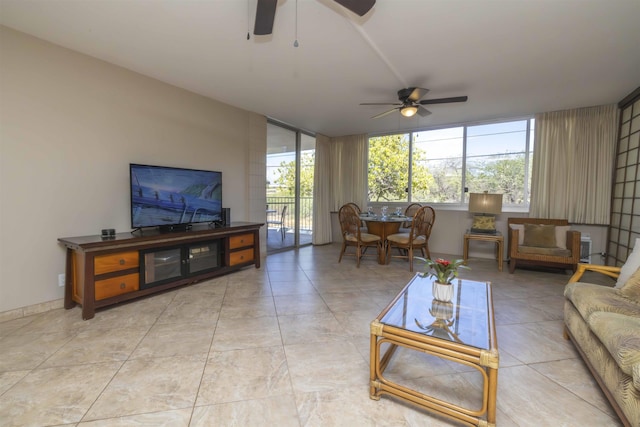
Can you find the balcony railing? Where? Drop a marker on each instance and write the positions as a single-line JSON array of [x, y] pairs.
[[306, 212]]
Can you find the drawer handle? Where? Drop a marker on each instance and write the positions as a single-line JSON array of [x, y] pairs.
[[241, 256], [122, 261], [241, 240], [123, 285]]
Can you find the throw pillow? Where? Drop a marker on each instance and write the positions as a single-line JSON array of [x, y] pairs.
[[631, 288], [520, 228], [484, 222], [540, 235], [561, 236], [630, 266]]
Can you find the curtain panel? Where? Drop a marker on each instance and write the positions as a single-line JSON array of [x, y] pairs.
[[573, 163], [322, 192], [340, 176]]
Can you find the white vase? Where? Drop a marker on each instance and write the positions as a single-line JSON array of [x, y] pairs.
[[442, 291]]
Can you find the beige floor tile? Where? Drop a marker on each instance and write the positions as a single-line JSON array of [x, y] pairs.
[[150, 385], [535, 342], [273, 411], [177, 418], [326, 366], [97, 346], [288, 305], [237, 308], [28, 351], [175, 339], [531, 399], [236, 375], [237, 334], [310, 328], [55, 395]]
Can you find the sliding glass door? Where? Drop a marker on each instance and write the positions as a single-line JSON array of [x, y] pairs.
[[290, 167]]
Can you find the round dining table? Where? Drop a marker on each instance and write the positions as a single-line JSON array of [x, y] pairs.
[[384, 226]]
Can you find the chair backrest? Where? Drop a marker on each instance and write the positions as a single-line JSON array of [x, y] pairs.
[[349, 221], [422, 222], [284, 213], [411, 210], [356, 207]]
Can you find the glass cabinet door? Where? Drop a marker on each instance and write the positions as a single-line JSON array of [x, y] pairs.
[[204, 256], [161, 265]]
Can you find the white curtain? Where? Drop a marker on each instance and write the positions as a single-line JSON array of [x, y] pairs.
[[340, 176], [349, 170], [322, 192], [573, 164]]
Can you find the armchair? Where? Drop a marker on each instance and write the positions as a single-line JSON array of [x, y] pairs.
[[543, 242]]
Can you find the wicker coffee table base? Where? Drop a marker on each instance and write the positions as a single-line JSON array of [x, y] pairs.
[[486, 362]]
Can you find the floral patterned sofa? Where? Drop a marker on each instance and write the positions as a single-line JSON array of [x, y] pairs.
[[603, 322]]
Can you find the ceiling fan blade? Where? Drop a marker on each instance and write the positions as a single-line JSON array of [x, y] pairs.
[[417, 93], [380, 103], [423, 112], [359, 7], [444, 100], [385, 113], [265, 15]]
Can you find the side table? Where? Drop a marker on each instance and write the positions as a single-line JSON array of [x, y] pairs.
[[497, 238]]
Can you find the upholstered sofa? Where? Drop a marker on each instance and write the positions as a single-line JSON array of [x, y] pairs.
[[603, 322], [543, 242]]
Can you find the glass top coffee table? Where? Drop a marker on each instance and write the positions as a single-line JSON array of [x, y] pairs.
[[460, 331]]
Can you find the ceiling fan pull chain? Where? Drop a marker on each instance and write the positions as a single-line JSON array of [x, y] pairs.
[[295, 43]]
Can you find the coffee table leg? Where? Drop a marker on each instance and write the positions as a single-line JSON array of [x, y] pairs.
[[491, 402]]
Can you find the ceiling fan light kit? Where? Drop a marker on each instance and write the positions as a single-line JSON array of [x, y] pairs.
[[409, 111], [410, 103]]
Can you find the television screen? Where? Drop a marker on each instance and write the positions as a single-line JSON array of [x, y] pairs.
[[165, 196]]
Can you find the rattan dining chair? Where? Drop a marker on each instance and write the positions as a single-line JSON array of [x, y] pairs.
[[409, 212], [353, 235], [416, 238]]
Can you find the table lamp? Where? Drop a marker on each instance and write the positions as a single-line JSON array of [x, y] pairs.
[[485, 206]]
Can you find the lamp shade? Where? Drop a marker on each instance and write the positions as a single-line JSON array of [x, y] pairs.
[[485, 203]]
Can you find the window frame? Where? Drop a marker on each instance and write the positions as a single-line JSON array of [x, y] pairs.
[[462, 202]]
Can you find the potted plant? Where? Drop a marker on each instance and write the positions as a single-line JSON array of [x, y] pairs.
[[444, 271]]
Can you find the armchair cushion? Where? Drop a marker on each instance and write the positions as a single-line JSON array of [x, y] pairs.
[[520, 228], [540, 235], [544, 251], [561, 236], [619, 334]]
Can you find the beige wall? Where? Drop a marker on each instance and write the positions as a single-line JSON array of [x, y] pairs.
[[69, 127]]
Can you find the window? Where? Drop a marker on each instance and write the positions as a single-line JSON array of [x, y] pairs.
[[436, 166]]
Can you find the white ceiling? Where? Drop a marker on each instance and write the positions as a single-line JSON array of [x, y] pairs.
[[511, 57]]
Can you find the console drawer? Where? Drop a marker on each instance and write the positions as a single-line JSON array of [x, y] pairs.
[[240, 257], [115, 262], [117, 286], [240, 241]]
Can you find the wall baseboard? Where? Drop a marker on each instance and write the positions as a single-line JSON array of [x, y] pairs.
[[31, 310]]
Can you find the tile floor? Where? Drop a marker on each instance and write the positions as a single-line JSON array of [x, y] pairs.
[[284, 345]]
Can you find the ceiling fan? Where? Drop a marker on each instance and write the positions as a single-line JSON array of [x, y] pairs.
[[266, 13], [410, 102]]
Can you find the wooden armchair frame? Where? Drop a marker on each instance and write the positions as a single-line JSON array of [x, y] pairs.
[[516, 257]]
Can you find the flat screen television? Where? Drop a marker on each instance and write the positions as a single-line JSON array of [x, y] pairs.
[[173, 198]]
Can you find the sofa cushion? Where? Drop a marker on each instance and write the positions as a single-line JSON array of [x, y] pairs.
[[589, 298], [636, 376], [631, 288], [619, 334], [540, 235]]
